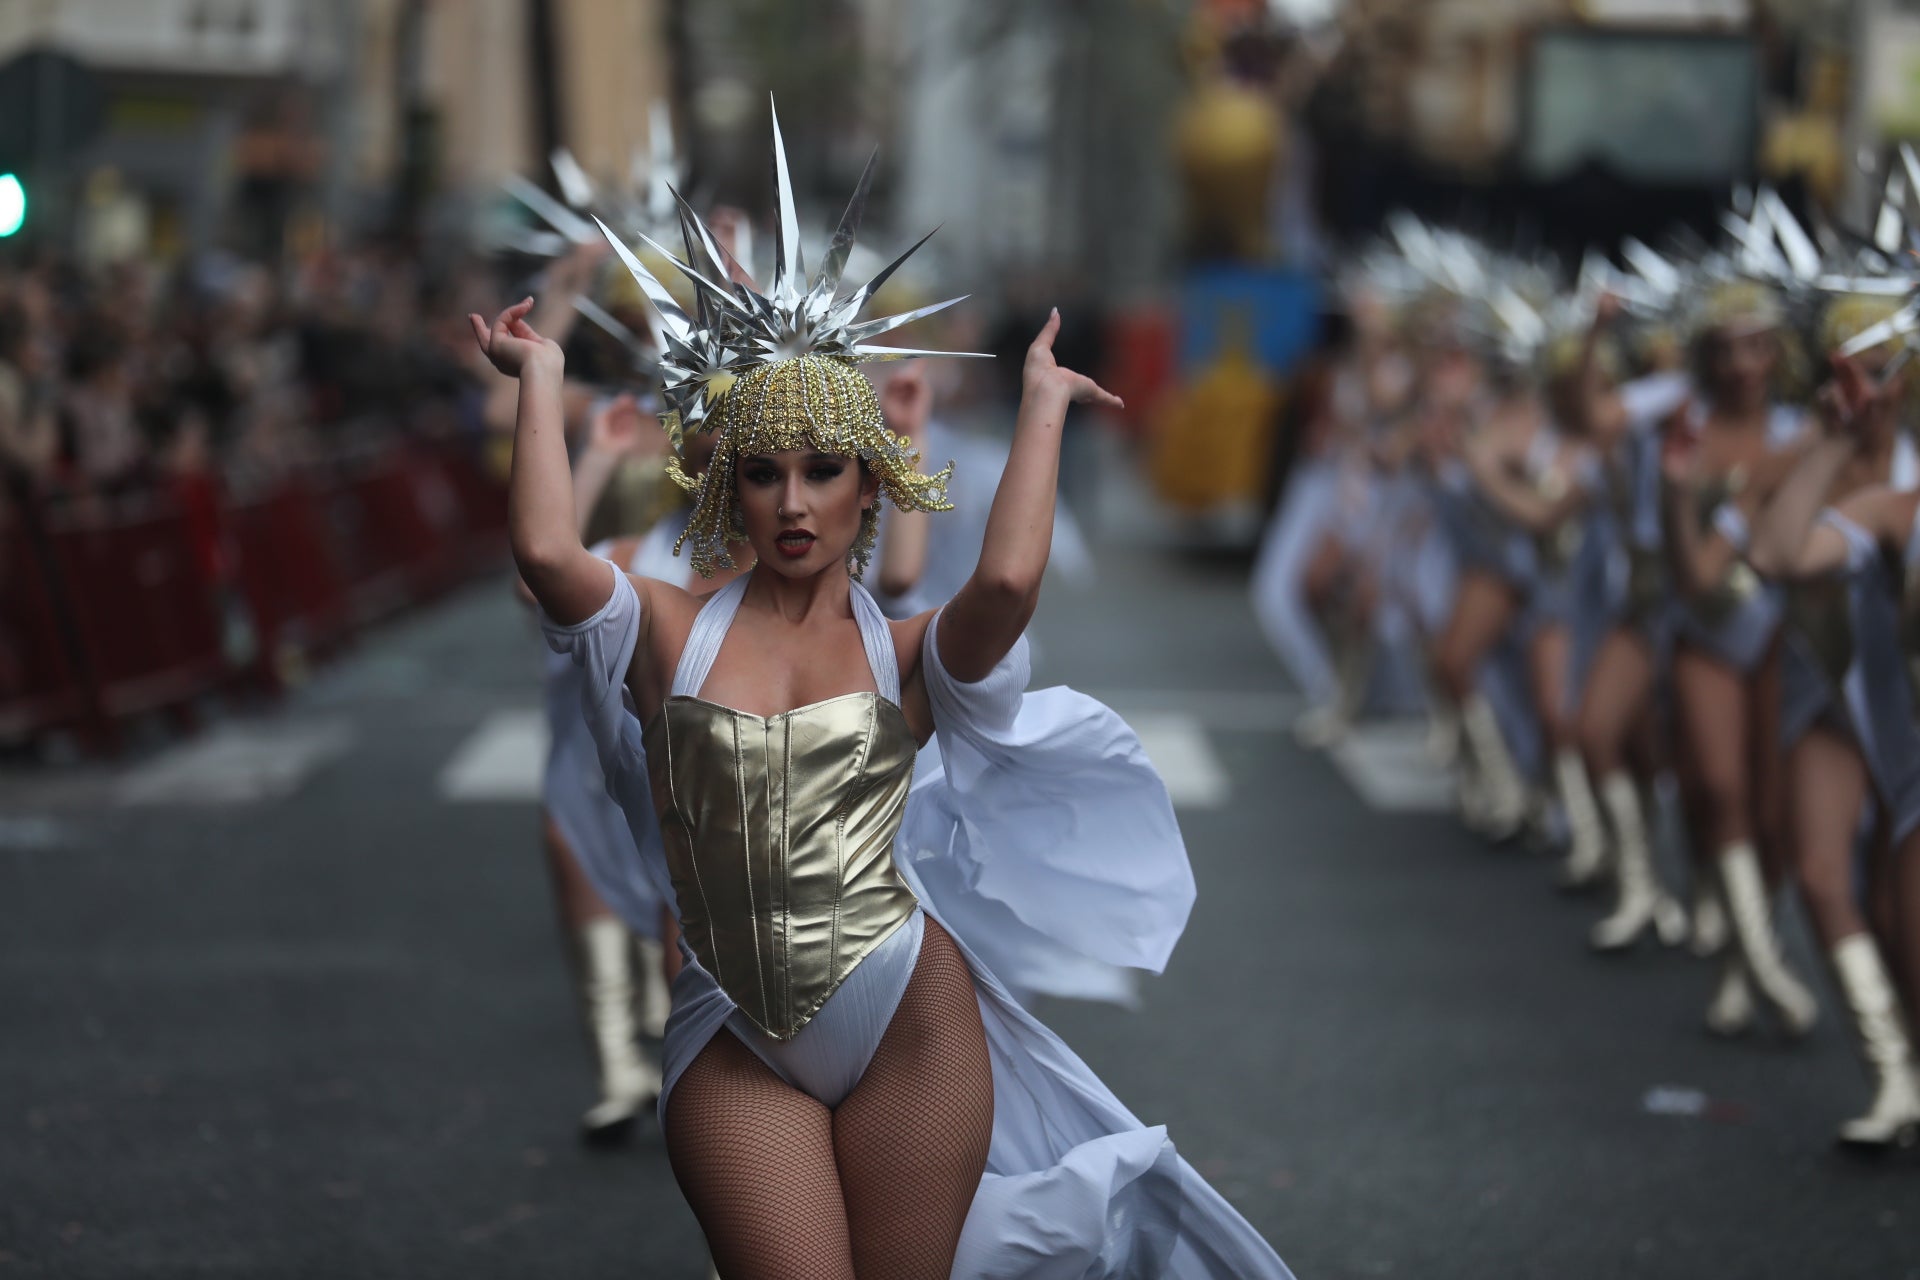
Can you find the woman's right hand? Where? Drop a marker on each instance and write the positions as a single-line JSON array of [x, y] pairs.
[[511, 343], [1855, 407]]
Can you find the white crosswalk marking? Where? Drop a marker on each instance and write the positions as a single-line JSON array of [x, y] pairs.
[[1184, 756], [503, 759], [1388, 764], [236, 764]]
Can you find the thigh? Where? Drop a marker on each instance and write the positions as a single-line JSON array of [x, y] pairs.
[[1321, 577], [1826, 787], [1547, 659], [1482, 612], [1766, 759], [1711, 703], [911, 1139], [754, 1157], [1616, 694]]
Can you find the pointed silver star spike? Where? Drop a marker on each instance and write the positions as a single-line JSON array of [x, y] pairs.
[[1656, 270], [663, 164], [1890, 228], [1910, 170], [1901, 324], [1798, 247], [575, 186], [637, 351], [556, 215], [827, 283], [535, 244], [788, 265]]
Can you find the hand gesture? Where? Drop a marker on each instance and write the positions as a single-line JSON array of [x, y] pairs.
[[906, 399], [511, 344], [616, 427], [1606, 310], [1854, 405], [1042, 376]]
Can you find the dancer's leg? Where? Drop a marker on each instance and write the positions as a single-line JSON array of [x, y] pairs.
[[1717, 719], [1613, 702], [1828, 785], [754, 1157], [911, 1139]]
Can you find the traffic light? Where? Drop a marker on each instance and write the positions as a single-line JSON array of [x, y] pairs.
[[13, 204]]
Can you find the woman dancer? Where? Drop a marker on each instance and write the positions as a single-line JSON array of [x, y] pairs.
[[848, 1091], [1864, 752], [1624, 603], [1496, 567], [1718, 462], [1543, 484]]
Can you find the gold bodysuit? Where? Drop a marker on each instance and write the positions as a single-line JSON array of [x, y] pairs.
[[779, 836]]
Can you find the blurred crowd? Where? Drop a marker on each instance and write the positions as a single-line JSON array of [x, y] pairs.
[[121, 378]]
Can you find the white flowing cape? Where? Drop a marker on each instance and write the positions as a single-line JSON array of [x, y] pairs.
[[1044, 831]]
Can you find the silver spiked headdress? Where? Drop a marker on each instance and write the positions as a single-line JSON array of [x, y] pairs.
[[797, 343]]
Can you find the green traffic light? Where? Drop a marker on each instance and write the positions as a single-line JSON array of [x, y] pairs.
[[13, 204]]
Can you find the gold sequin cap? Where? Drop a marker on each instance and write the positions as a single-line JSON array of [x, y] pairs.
[[776, 370]]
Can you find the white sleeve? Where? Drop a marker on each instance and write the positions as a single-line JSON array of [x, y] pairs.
[[1046, 824], [632, 878], [1649, 399]]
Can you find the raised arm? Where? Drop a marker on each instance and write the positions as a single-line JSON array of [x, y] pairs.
[[906, 400], [570, 583], [984, 620], [1532, 509], [1790, 541]]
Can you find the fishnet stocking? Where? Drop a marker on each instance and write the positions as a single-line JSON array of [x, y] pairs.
[[754, 1157], [784, 1188], [911, 1139]]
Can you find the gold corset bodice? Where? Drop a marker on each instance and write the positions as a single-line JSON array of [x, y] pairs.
[[779, 837], [1740, 583]]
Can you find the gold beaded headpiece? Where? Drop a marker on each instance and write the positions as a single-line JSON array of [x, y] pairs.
[[776, 371]]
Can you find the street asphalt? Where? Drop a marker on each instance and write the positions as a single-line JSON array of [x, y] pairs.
[[319, 1025]]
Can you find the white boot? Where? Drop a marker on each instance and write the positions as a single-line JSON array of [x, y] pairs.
[[1329, 725], [1643, 901], [604, 971], [1894, 1118], [1730, 1011], [1586, 834], [653, 1001], [1503, 791], [1709, 929], [1759, 948]]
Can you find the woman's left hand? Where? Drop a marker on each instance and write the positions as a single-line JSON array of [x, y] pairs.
[[1042, 376]]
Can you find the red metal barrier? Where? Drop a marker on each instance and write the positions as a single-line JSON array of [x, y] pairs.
[[289, 572], [389, 548], [475, 505], [41, 687], [143, 612], [111, 607]]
